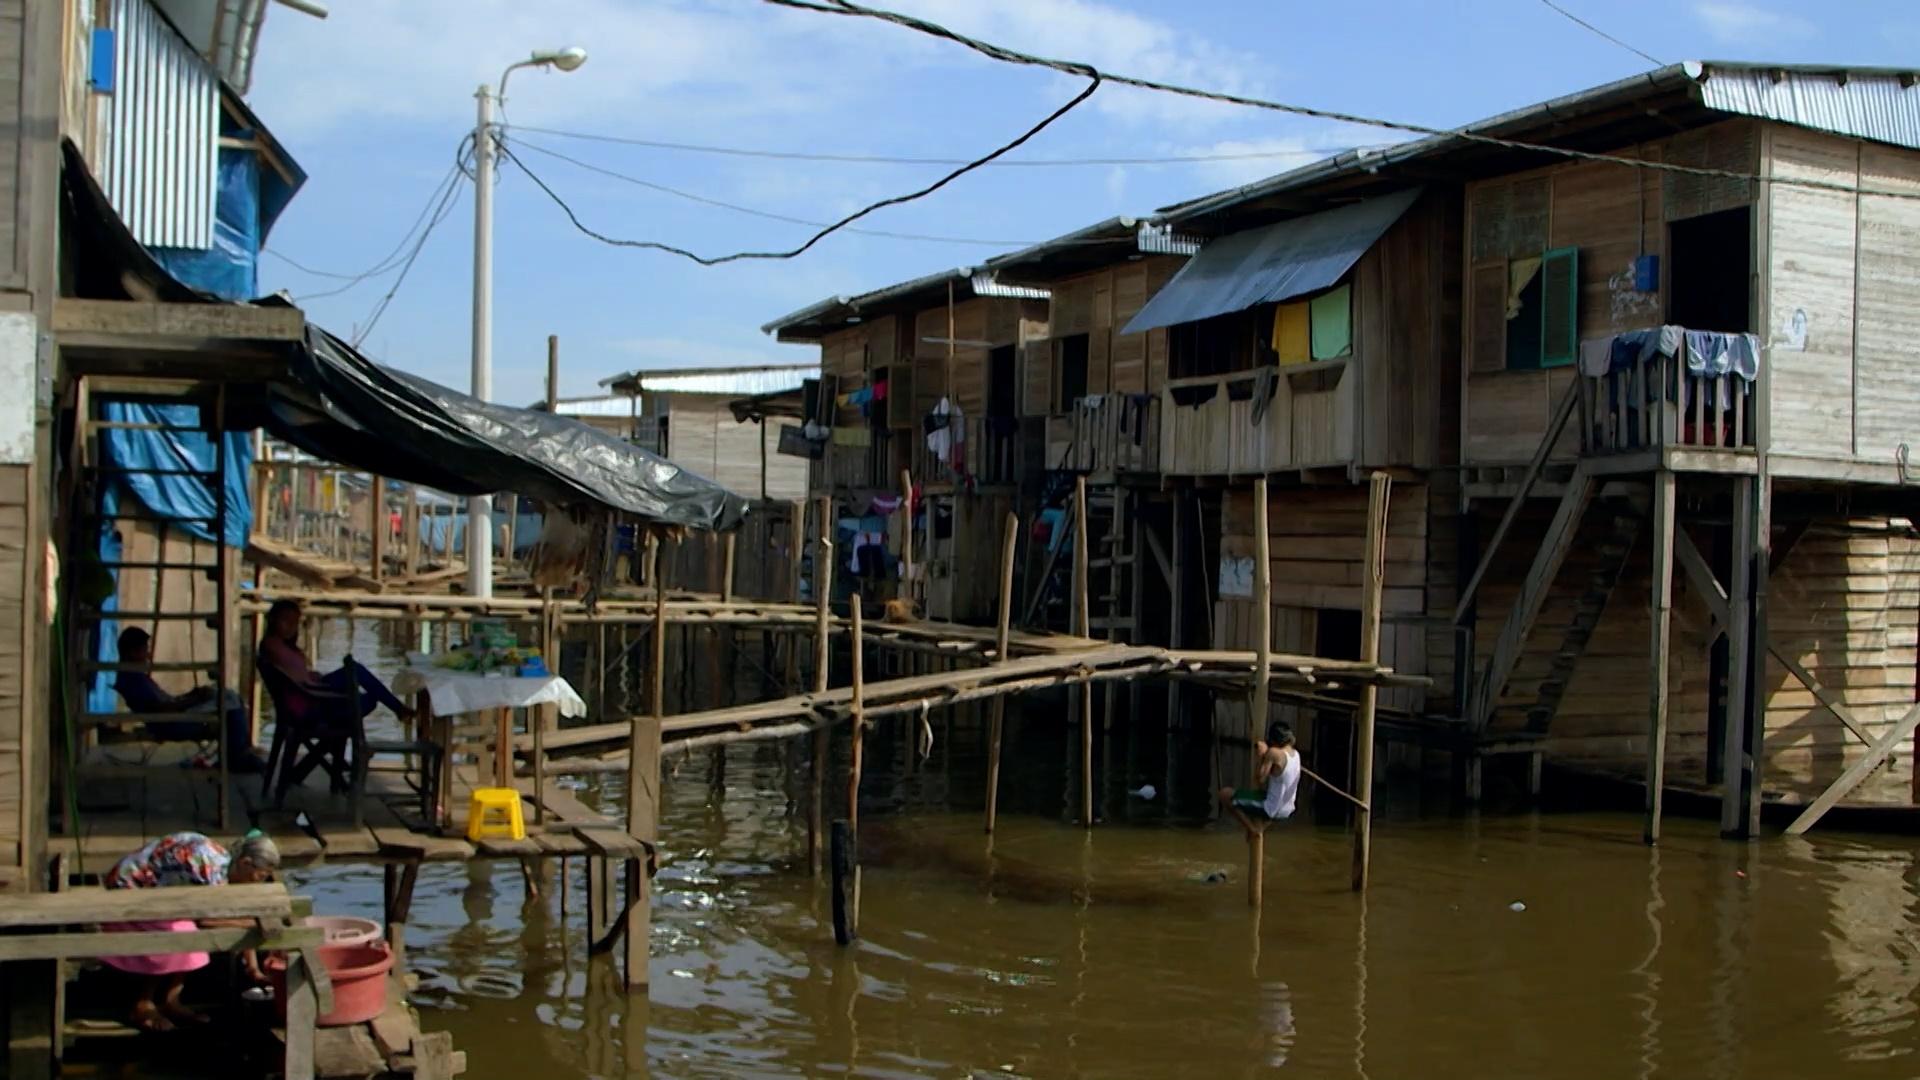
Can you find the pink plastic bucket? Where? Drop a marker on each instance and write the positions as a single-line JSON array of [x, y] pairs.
[[359, 974], [346, 929]]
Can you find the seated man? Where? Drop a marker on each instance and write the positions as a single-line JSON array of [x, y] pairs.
[[143, 695], [1278, 781]]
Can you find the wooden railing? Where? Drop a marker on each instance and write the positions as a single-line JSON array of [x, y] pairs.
[[1107, 433], [1656, 402], [870, 466], [989, 454], [1306, 421]]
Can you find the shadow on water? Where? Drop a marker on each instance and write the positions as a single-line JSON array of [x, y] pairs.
[[1530, 943]]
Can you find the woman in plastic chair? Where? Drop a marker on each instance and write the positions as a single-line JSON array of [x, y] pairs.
[[185, 858], [320, 698]]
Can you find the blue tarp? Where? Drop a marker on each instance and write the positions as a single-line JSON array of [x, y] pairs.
[[1279, 262], [170, 496], [230, 268]]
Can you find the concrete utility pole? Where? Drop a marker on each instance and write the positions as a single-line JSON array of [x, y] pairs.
[[480, 507]]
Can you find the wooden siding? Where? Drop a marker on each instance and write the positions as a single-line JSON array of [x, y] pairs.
[[1845, 607], [1308, 422], [1888, 305], [1611, 214], [1812, 244], [1098, 304], [1316, 548], [15, 656], [703, 436], [1406, 339]]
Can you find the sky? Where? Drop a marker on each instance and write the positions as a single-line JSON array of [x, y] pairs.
[[374, 100]]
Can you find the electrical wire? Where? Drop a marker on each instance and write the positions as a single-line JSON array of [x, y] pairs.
[[1577, 20], [880, 159], [439, 214], [1093, 84], [392, 259], [1081, 68], [751, 211]]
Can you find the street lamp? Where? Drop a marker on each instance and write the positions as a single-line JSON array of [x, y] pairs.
[[480, 507]]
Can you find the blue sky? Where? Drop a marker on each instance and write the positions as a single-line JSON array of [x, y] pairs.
[[374, 99]]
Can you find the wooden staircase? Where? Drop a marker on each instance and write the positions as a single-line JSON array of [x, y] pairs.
[[1622, 521]]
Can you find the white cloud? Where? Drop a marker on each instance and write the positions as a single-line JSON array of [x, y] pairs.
[[1732, 22]]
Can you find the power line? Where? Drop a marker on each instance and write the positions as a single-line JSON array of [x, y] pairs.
[[751, 211], [880, 159], [1093, 83], [439, 214], [1084, 69], [389, 261], [1655, 61]]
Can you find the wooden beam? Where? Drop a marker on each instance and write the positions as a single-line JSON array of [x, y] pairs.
[[1082, 626], [998, 722], [1260, 704], [1560, 414], [1850, 779], [1373, 580], [1665, 531], [1533, 594], [1739, 769], [151, 322], [822, 669]]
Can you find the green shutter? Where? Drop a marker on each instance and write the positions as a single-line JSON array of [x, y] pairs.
[[1559, 307]]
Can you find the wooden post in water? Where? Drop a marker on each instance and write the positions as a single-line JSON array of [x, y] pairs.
[[906, 538], [1000, 657], [643, 822], [657, 697], [1659, 642], [726, 572], [822, 669], [857, 708], [796, 547], [1260, 704], [1373, 573], [1082, 625], [377, 525], [846, 834]]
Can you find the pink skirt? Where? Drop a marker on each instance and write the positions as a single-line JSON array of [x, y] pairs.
[[164, 964]]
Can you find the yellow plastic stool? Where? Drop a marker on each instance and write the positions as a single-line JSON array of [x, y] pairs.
[[494, 813]]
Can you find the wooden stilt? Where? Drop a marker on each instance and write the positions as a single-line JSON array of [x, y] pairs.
[[822, 670], [856, 710], [1000, 657], [1757, 691], [796, 547], [906, 536], [1261, 703], [1176, 587], [1082, 625], [377, 525], [643, 819], [1740, 770], [846, 834], [1659, 648], [1373, 578]]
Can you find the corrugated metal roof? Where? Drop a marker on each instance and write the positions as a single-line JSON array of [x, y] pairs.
[[1882, 106], [731, 381], [611, 405], [1279, 262], [163, 132]]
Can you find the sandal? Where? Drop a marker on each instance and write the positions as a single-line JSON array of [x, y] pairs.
[[148, 1018]]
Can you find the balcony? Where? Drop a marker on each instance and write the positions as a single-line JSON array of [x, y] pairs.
[[1107, 435], [1252, 423], [1638, 398], [988, 455]]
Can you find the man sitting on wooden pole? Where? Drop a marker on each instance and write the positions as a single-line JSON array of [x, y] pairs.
[[1277, 777]]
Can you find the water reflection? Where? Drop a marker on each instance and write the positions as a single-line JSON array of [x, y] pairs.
[[1130, 952]]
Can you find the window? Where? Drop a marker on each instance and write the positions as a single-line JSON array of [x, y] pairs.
[[1542, 310], [1710, 272], [1071, 355]]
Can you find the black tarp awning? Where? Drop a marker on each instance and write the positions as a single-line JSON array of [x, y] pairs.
[[337, 404]]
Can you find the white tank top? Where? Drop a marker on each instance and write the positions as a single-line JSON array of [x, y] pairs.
[[1282, 785]]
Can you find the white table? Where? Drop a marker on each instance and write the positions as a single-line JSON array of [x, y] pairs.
[[441, 693]]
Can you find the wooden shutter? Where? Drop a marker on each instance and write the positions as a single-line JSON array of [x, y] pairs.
[[1036, 377], [1560, 307], [1487, 315]]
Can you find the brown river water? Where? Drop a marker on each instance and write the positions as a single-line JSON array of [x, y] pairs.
[[1130, 951]]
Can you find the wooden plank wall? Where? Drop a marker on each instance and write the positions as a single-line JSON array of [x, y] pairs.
[[1316, 547], [1611, 213], [1098, 304], [15, 684], [704, 437], [1845, 607], [1406, 335], [1307, 423], [1847, 267]]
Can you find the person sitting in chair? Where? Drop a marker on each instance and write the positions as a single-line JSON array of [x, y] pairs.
[[143, 695], [322, 696], [1278, 780]]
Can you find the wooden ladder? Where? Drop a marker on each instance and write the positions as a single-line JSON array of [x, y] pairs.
[[1492, 679], [1624, 523]]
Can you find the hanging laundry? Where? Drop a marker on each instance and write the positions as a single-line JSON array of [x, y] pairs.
[[883, 504], [816, 431], [880, 390], [1292, 333], [1265, 382], [1520, 274], [852, 436], [946, 432], [1332, 316], [860, 397]]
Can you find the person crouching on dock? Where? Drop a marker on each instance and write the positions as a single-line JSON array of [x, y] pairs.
[[1277, 780]]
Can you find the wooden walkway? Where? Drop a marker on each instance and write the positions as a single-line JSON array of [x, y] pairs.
[[141, 803]]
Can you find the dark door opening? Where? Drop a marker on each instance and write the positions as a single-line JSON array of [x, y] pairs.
[[1002, 391], [1710, 268], [1072, 383]]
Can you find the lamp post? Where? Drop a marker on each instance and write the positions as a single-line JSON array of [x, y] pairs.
[[480, 507]]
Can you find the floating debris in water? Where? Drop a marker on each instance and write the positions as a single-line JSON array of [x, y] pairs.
[[1144, 791], [1517, 905], [1210, 877]]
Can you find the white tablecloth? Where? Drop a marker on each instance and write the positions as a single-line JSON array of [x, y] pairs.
[[456, 692]]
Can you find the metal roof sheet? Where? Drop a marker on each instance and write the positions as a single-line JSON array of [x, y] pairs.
[[1278, 262], [1869, 104]]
